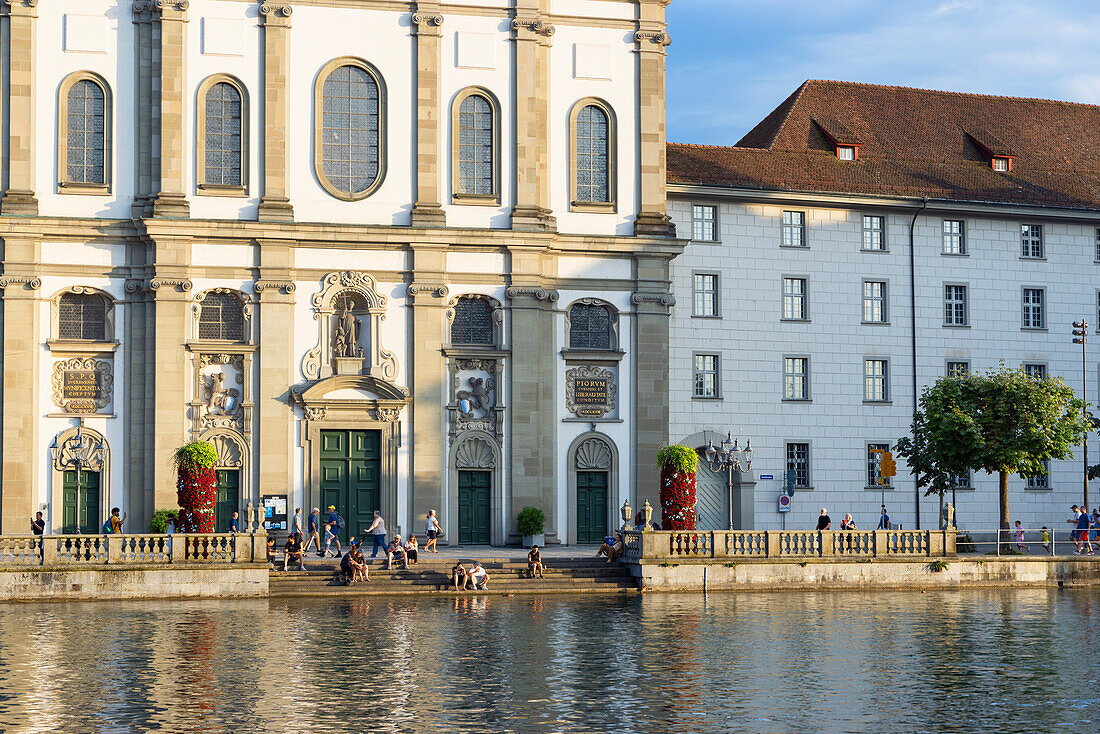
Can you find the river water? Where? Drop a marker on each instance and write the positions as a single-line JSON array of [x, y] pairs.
[[1006, 661]]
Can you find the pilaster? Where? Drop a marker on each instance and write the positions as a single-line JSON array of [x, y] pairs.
[[427, 298], [275, 201], [275, 418], [21, 457], [650, 41], [533, 394], [427, 24], [19, 197], [531, 33], [147, 118], [138, 391], [171, 198], [652, 303]]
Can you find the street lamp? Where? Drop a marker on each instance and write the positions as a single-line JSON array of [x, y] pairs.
[[82, 454], [1080, 336], [727, 457]]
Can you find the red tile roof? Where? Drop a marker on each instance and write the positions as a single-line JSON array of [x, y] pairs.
[[915, 143]]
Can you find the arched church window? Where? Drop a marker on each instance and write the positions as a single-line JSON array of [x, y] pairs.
[[223, 133], [84, 135], [350, 129], [590, 326], [82, 316], [475, 147], [221, 317], [473, 322]]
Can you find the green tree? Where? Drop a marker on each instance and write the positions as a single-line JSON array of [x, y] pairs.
[[1002, 421]]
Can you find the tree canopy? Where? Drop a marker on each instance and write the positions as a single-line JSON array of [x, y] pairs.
[[1003, 421]]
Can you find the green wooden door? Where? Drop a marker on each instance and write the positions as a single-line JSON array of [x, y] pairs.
[[473, 507], [229, 498], [351, 478], [88, 503], [591, 506]]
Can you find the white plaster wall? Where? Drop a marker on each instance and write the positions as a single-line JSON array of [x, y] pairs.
[[752, 340], [247, 68], [619, 91], [112, 428], [52, 65]]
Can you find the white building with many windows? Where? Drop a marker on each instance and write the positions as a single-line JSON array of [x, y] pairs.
[[860, 242]]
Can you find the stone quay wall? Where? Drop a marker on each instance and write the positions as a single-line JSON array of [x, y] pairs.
[[65, 583]]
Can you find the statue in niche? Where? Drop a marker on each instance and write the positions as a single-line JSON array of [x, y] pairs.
[[475, 402], [219, 399], [348, 327]]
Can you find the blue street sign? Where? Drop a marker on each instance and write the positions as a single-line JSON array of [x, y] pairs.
[[766, 476]]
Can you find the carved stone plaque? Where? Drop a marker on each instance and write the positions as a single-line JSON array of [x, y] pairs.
[[590, 392], [82, 385]]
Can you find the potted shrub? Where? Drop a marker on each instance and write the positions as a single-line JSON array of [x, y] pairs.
[[530, 524]]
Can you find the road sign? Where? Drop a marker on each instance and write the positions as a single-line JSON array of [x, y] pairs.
[[766, 476], [784, 503]]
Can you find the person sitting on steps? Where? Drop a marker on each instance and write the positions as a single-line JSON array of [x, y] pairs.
[[534, 562], [292, 552], [412, 549], [612, 547], [396, 551], [354, 565], [478, 576], [459, 577]]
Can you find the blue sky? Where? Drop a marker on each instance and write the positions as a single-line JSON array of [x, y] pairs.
[[733, 61]]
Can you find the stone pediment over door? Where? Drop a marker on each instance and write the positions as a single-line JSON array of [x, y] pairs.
[[347, 397]]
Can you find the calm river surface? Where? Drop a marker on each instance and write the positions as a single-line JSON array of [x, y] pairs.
[[1008, 661]]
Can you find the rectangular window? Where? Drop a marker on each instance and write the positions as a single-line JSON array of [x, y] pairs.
[[704, 220], [846, 153], [706, 375], [1034, 317], [875, 388], [1042, 482], [1098, 244], [798, 461], [954, 237], [874, 465], [794, 299], [958, 369], [794, 229], [796, 378], [954, 305], [959, 481], [874, 302], [705, 302], [1031, 240], [1000, 165], [1036, 371], [874, 232]]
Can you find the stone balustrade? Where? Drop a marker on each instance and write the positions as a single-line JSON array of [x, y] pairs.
[[139, 549], [797, 544]]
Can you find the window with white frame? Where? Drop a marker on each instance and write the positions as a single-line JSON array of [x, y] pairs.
[[875, 380], [958, 369], [794, 229], [1098, 244], [1031, 240], [845, 152], [874, 302], [1033, 316], [798, 461], [705, 302], [874, 232], [794, 299], [959, 481], [954, 237], [704, 223], [1001, 164], [1036, 371], [954, 305], [874, 465], [796, 378], [706, 375], [1040, 482]]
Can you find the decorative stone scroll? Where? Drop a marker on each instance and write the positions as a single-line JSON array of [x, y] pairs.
[[590, 392], [82, 385], [230, 455], [539, 294], [593, 454], [475, 453], [30, 282], [475, 400]]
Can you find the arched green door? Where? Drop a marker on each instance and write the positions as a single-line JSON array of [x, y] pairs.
[[591, 506], [229, 498], [80, 512]]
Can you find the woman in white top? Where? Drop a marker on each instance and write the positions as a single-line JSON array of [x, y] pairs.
[[411, 548], [433, 531]]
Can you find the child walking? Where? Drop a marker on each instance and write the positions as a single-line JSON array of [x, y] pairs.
[[1046, 540], [1020, 538], [330, 538]]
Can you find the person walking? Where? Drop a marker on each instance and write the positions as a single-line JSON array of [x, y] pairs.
[[1075, 515], [235, 522], [1020, 546], [296, 522], [313, 526], [38, 525], [116, 521], [824, 522], [884, 521], [330, 538], [848, 523], [377, 531], [432, 531], [1083, 524]]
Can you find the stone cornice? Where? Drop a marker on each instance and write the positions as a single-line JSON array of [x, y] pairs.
[[286, 286], [536, 292]]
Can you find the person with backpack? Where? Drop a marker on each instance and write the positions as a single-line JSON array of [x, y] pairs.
[[377, 531], [113, 525]]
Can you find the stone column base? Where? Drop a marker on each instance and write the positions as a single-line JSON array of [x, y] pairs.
[[428, 215], [652, 224], [534, 218], [171, 206], [19, 203], [276, 208]]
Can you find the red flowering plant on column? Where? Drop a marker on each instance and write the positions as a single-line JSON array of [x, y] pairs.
[[196, 489], [678, 465]]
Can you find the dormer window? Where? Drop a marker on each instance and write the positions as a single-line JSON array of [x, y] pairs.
[[846, 152], [1002, 164], [843, 141], [1000, 156]]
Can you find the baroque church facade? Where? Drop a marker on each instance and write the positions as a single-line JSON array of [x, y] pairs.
[[384, 256]]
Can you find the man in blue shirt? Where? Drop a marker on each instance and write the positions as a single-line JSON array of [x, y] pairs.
[[884, 521], [235, 523], [1083, 523], [313, 527]]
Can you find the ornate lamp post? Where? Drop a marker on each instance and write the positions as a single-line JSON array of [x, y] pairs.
[[80, 453], [727, 457], [1080, 336]]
